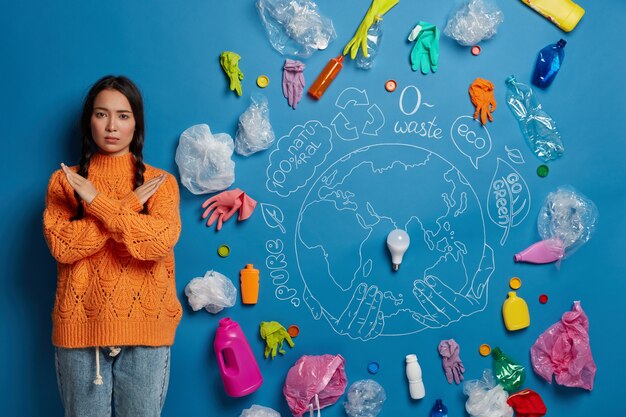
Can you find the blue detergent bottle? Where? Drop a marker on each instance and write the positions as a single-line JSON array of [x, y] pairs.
[[548, 63], [439, 410]]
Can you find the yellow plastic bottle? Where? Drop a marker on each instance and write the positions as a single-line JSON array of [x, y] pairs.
[[564, 13], [515, 312]]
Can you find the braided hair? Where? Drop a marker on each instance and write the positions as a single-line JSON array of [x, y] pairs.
[[89, 148]]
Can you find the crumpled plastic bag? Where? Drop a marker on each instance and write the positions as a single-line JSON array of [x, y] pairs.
[[315, 382], [474, 21], [255, 132], [259, 411], [365, 399], [486, 398], [564, 351], [204, 160], [214, 292], [295, 27]]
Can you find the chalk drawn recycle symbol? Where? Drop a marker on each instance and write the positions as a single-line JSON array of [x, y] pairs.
[[356, 100]]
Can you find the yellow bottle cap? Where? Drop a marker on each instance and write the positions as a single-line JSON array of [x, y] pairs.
[[515, 283], [484, 349], [262, 81], [223, 251]]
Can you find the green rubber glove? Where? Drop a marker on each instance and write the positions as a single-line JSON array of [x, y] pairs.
[[425, 53], [274, 335], [230, 64], [377, 9]]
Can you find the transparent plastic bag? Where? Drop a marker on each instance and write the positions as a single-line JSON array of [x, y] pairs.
[[295, 27], [564, 351], [568, 216], [259, 411], [214, 292], [486, 398], [315, 381], [474, 21], [365, 399], [536, 125], [255, 132], [204, 160]]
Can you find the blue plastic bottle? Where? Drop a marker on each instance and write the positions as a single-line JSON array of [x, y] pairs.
[[548, 63], [439, 410], [374, 37]]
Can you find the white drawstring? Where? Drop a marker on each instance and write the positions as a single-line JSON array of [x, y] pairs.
[[98, 380], [317, 404]]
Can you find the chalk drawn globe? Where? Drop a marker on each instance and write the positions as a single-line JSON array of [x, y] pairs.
[[353, 205]]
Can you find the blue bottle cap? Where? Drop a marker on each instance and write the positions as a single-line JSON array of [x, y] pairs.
[[373, 367]]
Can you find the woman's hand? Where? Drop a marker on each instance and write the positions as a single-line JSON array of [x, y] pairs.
[[81, 185], [147, 190]]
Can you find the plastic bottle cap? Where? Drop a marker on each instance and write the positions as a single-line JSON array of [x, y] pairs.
[[373, 367], [542, 170], [262, 81], [223, 251], [484, 349], [475, 50], [515, 283], [543, 298], [293, 330], [391, 85]]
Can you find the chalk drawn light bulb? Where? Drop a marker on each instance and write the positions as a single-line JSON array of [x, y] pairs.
[[398, 242]]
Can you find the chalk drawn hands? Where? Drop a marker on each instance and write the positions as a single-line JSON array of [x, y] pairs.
[[362, 318]]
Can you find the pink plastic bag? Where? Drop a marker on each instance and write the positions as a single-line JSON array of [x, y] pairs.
[[322, 376], [564, 350]]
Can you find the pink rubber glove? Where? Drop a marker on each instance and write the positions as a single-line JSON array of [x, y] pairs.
[[450, 351], [293, 81], [225, 204]]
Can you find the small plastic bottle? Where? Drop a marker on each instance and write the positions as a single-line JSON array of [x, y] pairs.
[[439, 409], [509, 373], [249, 277], [414, 376], [548, 63], [564, 13], [543, 252], [515, 312], [328, 74], [238, 368], [374, 37]]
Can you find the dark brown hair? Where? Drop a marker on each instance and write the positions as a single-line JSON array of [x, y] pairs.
[[133, 95]]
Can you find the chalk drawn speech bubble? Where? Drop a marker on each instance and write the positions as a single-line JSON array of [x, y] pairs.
[[471, 138]]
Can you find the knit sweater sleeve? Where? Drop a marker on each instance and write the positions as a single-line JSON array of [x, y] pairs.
[[69, 240], [149, 236]]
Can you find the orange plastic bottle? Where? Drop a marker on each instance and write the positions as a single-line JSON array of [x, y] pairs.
[[326, 77], [249, 284]]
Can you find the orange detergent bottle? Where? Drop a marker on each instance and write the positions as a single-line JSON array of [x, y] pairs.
[[515, 312], [326, 77], [249, 277]]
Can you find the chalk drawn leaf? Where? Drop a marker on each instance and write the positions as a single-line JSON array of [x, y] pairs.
[[515, 155], [508, 203], [273, 216]]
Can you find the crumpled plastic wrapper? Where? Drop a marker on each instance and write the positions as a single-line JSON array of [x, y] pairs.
[[204, 160], [486, 398], [564, 351], [365, 399], [255, 132], [295, 27], [259, 411], [568, 216], [474, 21], [212, 292]]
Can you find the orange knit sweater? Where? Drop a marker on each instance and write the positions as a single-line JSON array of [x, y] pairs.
[[115, 265]]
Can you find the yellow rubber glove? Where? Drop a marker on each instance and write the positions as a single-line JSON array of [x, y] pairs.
[[377, 9], [230, 64], [274, 334]]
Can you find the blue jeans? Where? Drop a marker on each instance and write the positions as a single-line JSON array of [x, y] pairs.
[[134, 381]]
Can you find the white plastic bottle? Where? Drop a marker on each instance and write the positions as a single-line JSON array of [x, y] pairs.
[[414, 375]]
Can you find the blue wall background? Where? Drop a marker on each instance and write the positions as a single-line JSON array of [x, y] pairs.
[[52, 53]]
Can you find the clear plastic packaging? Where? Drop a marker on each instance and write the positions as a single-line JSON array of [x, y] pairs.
[[474, 21], [213, 292], [486, 398], [374, 37], [204, 160], [568, 216], [259, 411], [255, 132], [536, 125], [548, 64], [365, 399], [295, 27], [564, 351]]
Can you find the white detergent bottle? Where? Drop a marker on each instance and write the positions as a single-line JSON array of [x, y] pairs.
[[414, 375]]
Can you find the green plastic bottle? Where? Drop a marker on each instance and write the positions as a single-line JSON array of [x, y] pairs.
[[509, 374]]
